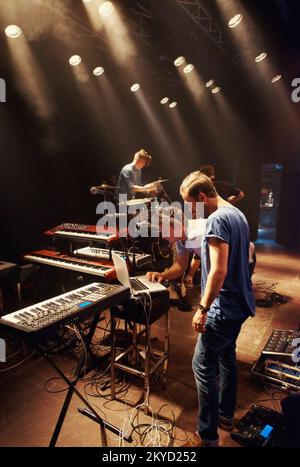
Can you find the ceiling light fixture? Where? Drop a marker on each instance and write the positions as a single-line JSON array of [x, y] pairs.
[[179, 61], [75, 60], [106, 9], [135, 87], [98, 71], [209, 83], [13, 31], [188, 68], [276, 78], [261, 57], [235, 21]]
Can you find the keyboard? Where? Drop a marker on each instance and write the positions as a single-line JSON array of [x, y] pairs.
[[103, 269], [137, 285], [83, 302], [82, 232], [141, 259]]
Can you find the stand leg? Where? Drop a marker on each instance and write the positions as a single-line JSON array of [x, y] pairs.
[[147, 367], [1, 302], [166, 349], [61, 418], [19, 293], [113, 358]]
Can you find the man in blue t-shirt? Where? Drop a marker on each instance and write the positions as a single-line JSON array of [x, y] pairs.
[[227, 301]]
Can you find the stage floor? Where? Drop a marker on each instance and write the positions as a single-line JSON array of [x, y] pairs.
[[28, 412]]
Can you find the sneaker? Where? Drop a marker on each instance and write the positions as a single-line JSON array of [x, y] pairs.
[[225, 423], [195, 441]]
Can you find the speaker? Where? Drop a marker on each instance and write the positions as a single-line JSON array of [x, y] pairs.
[[290, 406]]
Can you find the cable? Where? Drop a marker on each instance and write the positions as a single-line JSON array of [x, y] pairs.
[[18, 364]]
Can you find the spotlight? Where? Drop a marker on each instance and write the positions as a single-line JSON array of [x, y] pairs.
[[98, 71], [276, 78], [135, 87], [106, 9], [173, 105], [216, 90], [165, 100], [13, 31], [188, 68], [261, 57], [179, 61], [235, 21], [209, 83], [75, 60]]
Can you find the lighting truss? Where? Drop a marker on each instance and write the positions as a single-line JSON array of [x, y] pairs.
[[199, 14], [142, 16]]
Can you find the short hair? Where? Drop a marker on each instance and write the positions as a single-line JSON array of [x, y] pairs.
[[208, 170], [142, 154], [196, 183]]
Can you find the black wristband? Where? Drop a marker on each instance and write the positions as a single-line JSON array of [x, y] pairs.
[[203, 309]]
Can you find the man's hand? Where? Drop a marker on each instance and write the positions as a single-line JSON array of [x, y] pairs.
[[155, 276], [151, 188], [199, 321]]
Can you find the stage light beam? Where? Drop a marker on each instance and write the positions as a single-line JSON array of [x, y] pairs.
[[28, 74]]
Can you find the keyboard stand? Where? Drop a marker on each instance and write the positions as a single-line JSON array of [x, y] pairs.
[[73, 389]]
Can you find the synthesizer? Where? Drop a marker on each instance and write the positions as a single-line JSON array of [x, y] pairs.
[[103, 269], [62, 309], [281, 344], [258, 427], [141, 259], [83, 232]]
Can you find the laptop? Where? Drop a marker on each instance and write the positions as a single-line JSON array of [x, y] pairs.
[[138, 284]]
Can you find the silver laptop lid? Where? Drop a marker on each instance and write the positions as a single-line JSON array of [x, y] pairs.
[[121, 269]]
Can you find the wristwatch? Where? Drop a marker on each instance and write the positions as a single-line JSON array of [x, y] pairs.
[[203, 309]]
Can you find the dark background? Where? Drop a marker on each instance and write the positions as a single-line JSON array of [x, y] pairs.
[[47, 167]]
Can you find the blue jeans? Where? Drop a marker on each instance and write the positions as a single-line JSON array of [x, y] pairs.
[[215, 356]]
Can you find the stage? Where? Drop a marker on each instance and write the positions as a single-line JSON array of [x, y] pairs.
[[29, 412]]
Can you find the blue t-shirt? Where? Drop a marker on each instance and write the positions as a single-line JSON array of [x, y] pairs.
[[128, 177], [236, 299]]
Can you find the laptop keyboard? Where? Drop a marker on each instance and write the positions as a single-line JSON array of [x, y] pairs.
[[136, 284]]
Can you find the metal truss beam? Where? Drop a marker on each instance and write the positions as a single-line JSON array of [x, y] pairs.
[[199, 14]]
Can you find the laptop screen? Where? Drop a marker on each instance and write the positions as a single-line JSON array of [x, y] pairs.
[[121, 269]]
